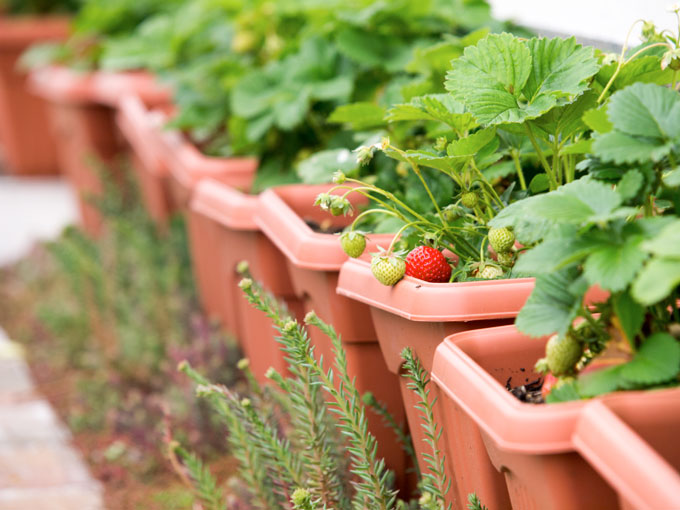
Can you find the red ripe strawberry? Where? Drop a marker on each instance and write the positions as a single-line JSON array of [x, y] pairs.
[[427, 263]]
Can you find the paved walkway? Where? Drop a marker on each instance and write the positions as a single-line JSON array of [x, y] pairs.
[[32, 209], [39, 468]]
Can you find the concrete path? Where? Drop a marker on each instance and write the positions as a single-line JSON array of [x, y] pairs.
[[32, 209], [39, 468]]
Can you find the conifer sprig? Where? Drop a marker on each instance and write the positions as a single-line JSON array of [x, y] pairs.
[[403, 437], [309, 417], [251, 460], [203, 483], [371, 470], [435, 482]]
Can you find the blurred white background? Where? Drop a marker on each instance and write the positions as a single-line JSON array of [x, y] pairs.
[[603, 20]]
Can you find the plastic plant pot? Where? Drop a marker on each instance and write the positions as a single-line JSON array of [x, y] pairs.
[[489, 435], [188, 165], [83, 123], [222, 233], [635, 448], [141, 127], [420, 315], [314, 260], [27, 144]]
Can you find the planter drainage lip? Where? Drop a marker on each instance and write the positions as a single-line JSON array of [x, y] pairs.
[[188, 165], [61, 84], [302, 246], [624, 459], [20, 31], [416, 300], [141, 127], [513, 425], [225, 205]]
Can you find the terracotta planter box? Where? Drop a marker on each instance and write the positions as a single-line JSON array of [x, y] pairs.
[[222, 232], [513, 454], [82, 116], [420, 315], [314, 260], [188, 165], [27, 145], [635, 448], [141, 127]]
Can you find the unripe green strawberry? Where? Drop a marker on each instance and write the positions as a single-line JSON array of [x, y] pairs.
[[562, 353], [353, 243], [505, 258], [489, 272], [340, 206], [388, 269], [501, 239], [469, 199], [452, 213]]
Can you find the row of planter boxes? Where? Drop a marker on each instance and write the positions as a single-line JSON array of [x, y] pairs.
[[512, 454]]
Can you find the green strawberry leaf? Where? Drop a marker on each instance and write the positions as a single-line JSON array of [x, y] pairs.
[[565, 392], [630, 184], [621, 148], [600, 382], [667, 242], [489, 79], [434, 107], [579, 202], [540, 183], [436, 57], [444, 108], [434, 160], [566, 121], [359, 116], [552, 307], [561, 68], [613, 266], [583, 146], [472, 144], [656, 280], [319, 168], [597, 119], [372, 49], [644, 69], [630, 314], [646, 110], [672, 178], [646, 120], [657, 361], [505, 80], [528, 228], [499, 170], [556, 252]]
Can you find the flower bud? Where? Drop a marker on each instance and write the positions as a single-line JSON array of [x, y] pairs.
[[339, 177], [364, 155]]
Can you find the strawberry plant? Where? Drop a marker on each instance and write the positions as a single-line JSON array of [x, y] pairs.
[[617, 228], [96, 23], [261, 77], [21, 7], [515, 123]]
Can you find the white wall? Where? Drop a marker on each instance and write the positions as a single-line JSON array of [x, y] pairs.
[[603, 20]]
